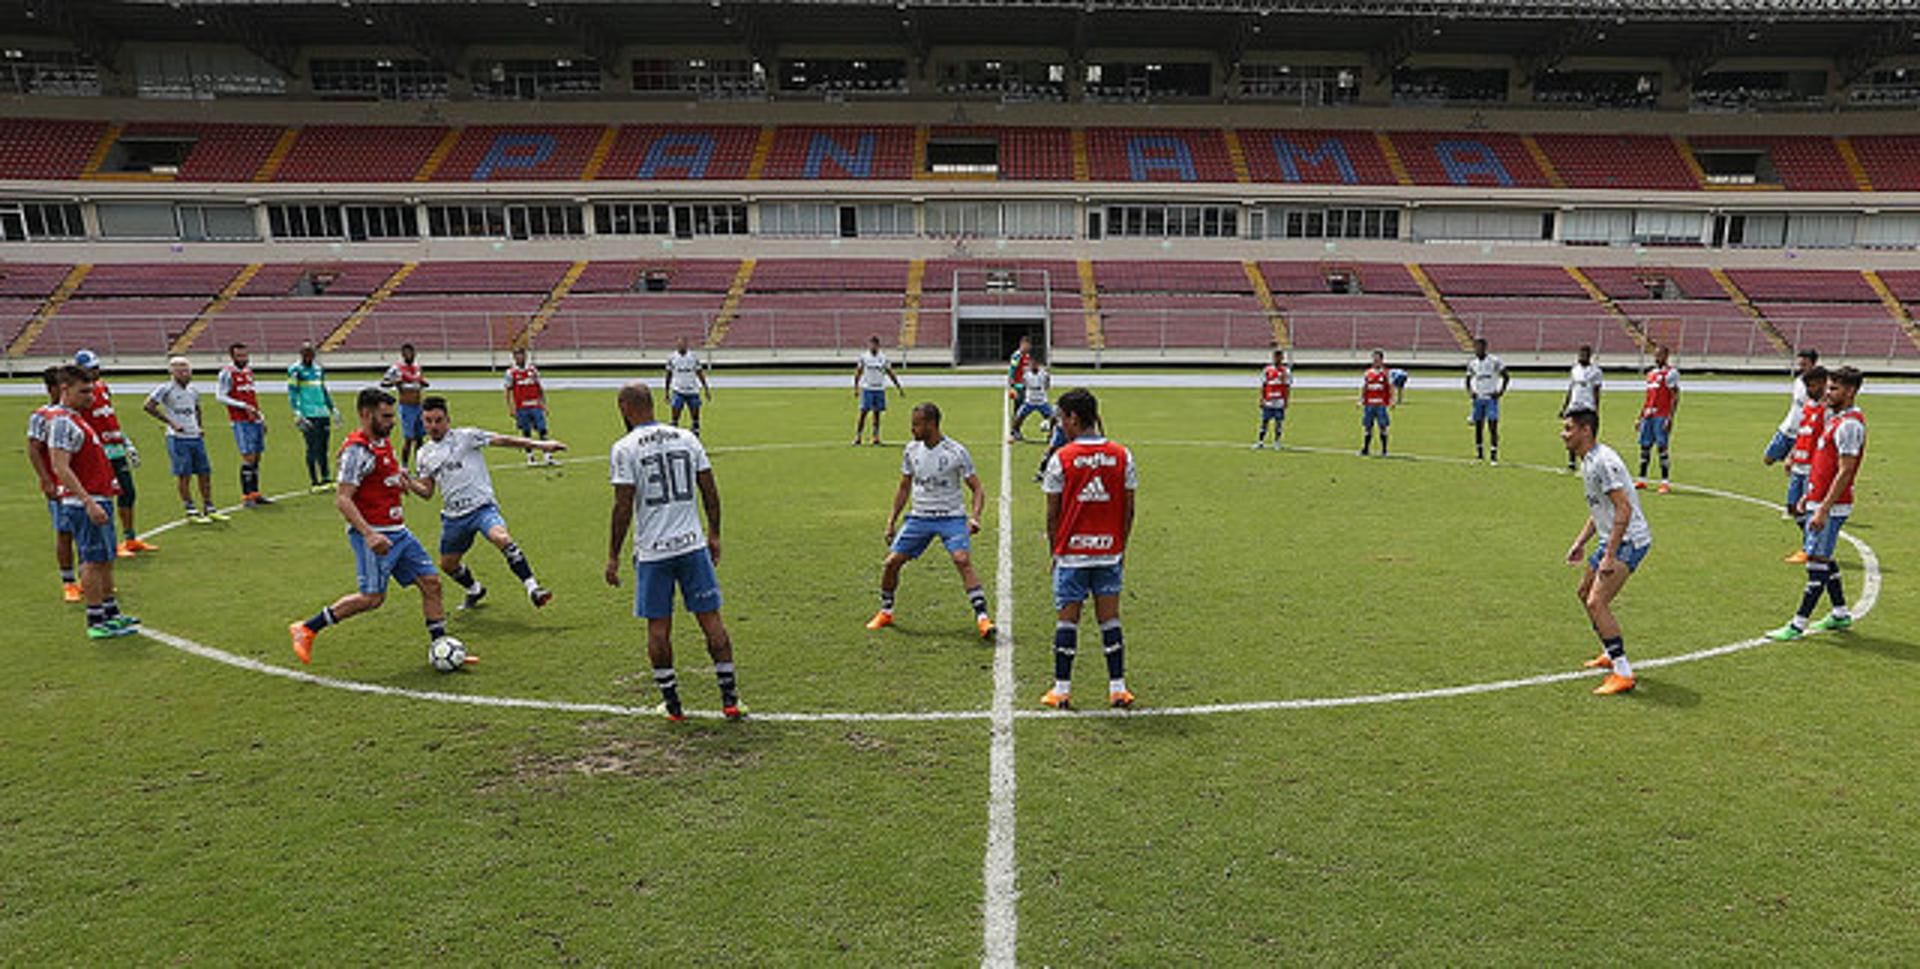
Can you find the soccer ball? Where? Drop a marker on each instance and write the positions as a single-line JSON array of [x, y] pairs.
[[447, 654]]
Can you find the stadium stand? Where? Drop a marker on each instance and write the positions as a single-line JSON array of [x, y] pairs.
[[522, 153], [359, 153], [1618, 162], [1315, 157], [467, 278], [37, 280], [1158, 155], [35, 149], [680, 152], [218, 152], [1480, 159], [1804, 163], [1025, 154], [1892, 162], [1804, 285], [843, 152]]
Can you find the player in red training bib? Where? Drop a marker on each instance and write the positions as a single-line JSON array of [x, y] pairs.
[[77, 459], [235, 389], [1276, 385], [527, 402], [1089, 485], [1837, 454], [409, 384], [1807, 426], [1656, 417], [37, 426], [1376, 403]]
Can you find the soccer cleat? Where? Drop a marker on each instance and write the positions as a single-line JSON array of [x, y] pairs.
[[856, 442], [539, 596], [217, 515], [880, 620], [124, 621], [124, 550], [140, 545], [876, 443], [70, 592], [985, 626], [1120, 699], [1834, 623], [1056, 700], [1786, 633], [1639, 486], [1664, 489], [473, 598], [1614, 683], [735, 712], [302, 641], [1494, 463], [671, 711], [103, 631], [1600, 662], [1799, 557], [199, 520], [552, 463], [1259, 445], [260, 499], [320, 489], [532, 459]]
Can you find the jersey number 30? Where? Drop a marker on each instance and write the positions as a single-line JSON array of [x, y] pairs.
[[667, 478]]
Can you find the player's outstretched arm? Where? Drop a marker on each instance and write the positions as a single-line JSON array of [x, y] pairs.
[[422, 486], [710, 500], [617, 530], [524, 443]]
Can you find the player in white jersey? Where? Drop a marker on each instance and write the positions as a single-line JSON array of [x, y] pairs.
[[454, 461], [656, 472], [1034, 385], [38, 424], [1583, 389], [176, 404], [932, 470], [870, 375], [686, 383], [1487, 380], [1781, 443], [1613, 513]]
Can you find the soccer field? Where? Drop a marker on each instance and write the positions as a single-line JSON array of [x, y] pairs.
[[1750, 804]]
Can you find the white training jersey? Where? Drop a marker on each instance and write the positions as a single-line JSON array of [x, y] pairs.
[[457, 464], [1484, 374], [660, 462], [1583, 387], [873, 370], [939, 475], [1603, 472], [1039, 381], [181, 405], [683, 372], [1790, 425]]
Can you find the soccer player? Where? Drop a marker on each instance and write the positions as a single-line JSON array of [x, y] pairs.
[[1656, 417], [1782, 440], [870, 376], [1017, 369], [121, 453], [527, 402], [932, 469], [314, 414], [176, 404], [686, 383], [372, 483], [37, 424], [1034, 386], [664, 467], [78, 459], [1276, 385], [408, 383], [1583, 389], [1089, 487], [1377, 397], [235, 390], [1813, 418], [1828, 504], [455, 460], [1487, 380], [1613, 513]]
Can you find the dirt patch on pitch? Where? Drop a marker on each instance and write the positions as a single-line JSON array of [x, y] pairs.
[[626, 748]]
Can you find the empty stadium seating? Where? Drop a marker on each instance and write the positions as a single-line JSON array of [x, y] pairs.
[[31, 279], [1892, 162], [1502, 280], [1514, 325], [1170, 276], [1633, 283], [358, 279], [1315, 157], [1850, 330], [143, 325], [1804, 163], [1359, 323], [819, 275], [630, 321], [1903, 283], [841, 152], [1026, 154], [220, 152], [32, 148], [680, 152], [1478, 158], [270, 325], [1694, 328], [814, 320], [156, 279], [1158, 155], [437, 324], [463, 278], [1837, 286], [1618, 161], [359, 153], [520, 153]]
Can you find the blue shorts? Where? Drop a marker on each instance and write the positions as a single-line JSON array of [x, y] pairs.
[[1071, 584], [53, 512], [918, 533], [1272, 413], [1822, 543], [653, 584], [1796, 490], [404, 562], [1656, 431], [530, 420], [1630, 554], [1373, 414], [1779, 447], [1485, 409], [189, 456], [412, 427], [457, 534], [250, 437], [873, 400], [92, 543], [681, 401], [1059, 438], [1043, 409]]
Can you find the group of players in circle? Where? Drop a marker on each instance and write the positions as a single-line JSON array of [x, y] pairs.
[[663, 481]]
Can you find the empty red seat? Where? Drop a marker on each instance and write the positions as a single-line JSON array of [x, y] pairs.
[[520, 153], [1481, 159], [220, 152], [1158, 155], [678, 152], [37, 148], [1618, 161], [359, 153], [1325, 157]]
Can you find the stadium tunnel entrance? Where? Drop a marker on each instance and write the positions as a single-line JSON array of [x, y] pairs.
[[990, 334]]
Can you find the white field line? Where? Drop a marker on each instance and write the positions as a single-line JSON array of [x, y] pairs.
[[1869, 596], [1001, 914]]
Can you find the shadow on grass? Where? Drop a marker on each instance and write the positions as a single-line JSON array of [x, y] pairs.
[[1665, 693], [1904, 651]]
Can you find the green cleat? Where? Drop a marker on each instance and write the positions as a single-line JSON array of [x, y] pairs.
[[1834, 623], [1786, 633], [103, 631], [124, 621]]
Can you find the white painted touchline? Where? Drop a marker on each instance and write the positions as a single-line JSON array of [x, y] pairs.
[[1002, 914]]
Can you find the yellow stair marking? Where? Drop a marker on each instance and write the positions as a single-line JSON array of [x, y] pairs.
[[910, 319], [1281, 338], [1461, 335], [278, 156], [1392, 153], [212, 309], [1851, 159], [538, 321], [1753, 313], [1700, 174], [731, 306], [1539, 156], [44, 313], [1613, 309], [1090, 306], [1895, 307], [439, 155], [921, 133], [762, 148], [601, 150], [1082, 169], [1237, 156], [367, 306], [101, 149]]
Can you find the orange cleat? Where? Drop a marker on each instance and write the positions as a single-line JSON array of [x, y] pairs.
[[1122, 699], [70, 592], [1665, 488], [1614, 683], [1799, 557], [1056, 700], [302, 641], [985, 626], [880, 620], [141, 545], [735, 712], [124, 550], [1639, 486], [1600, 662]]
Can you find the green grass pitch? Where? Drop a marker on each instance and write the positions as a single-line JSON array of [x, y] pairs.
[[160, 807]]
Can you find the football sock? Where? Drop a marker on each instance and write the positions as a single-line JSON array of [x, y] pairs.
[[1617, 652], [130, 534], [1383, 443], [729, 694], [1665, 465], [249, 478], [979, 600], [1646, 454], [189, 507], [67, 576], [1114, 645], [669, 688], [1479, 439], [96, 615], [517, 561], [1834, 591], [1816, 587], [463, 577], [110, 607], [1066, 638], [886, 601], [321, 620], [436, 628]]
